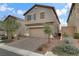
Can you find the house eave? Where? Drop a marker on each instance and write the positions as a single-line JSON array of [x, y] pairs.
[[73, 4], [45, 7]]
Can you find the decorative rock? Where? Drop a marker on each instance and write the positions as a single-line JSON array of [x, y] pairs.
[[49, 53]]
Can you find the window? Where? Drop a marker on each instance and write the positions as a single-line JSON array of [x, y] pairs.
[[29, 17], [42, 15], [34, 16]]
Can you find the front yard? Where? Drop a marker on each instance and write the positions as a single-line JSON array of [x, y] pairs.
[[66, 47]]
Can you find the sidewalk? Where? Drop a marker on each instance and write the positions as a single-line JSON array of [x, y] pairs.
[[19, 51], [4, 52]]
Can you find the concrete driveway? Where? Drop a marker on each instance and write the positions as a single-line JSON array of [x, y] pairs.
[[28, 43]]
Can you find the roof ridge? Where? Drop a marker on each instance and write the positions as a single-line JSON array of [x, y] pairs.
[[43, 6], [38, 5], [70, 11], [12, 16]]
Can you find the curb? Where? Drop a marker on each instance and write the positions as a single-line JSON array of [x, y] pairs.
[[19, 51]]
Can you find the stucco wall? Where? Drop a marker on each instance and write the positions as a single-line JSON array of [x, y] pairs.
[[74, 17], [50, 17], [68, 30]]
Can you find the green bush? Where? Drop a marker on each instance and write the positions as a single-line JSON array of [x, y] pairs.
[[76, 35], [47, 29], [66, 50], [3, 38], [68, 40]]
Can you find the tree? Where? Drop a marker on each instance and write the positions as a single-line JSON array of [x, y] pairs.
[[48, 31], [10, 26]]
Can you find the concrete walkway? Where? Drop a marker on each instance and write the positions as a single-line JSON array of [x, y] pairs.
[[7, 53], [18, 51]]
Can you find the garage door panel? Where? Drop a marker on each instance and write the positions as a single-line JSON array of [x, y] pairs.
[[37, 32]]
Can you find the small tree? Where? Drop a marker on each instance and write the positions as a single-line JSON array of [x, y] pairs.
[[10, 26], [48, 31]]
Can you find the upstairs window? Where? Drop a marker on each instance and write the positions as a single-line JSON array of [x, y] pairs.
[[29, 17], [42, 15], [34, 16]]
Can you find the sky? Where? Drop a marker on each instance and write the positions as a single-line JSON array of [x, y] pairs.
[[18, 9]]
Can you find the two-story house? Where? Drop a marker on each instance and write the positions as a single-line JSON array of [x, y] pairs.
[[37, 16], [73, 18], [21, 29]]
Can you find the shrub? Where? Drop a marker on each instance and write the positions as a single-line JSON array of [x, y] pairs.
[[66, 50], [3, 39], [47, 29], [76, 35], [67, 40], [65, 35], [40, 48], [43, 47]]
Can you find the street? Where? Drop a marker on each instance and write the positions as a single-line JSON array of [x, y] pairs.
[[7, 53]]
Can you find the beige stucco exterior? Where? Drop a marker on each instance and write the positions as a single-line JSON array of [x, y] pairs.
[[74, 17], [36, 27], [68, 30]]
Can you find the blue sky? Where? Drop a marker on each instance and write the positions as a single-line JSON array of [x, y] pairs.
[[18, 9]]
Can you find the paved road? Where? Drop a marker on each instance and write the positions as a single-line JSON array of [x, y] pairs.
[[7, 53]]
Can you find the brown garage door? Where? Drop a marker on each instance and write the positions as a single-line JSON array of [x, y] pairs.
[[37, 32]]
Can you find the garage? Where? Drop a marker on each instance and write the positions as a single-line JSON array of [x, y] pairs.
[[37, 32]]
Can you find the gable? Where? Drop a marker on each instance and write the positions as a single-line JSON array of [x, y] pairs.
[[71, 10], [12, 17], [9, 17], [73, 18], [37, 7]]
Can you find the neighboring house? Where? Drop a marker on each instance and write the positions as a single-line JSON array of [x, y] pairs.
[[73, 18], [21, 30], [67, 30], [37, 16], [1, 28]]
